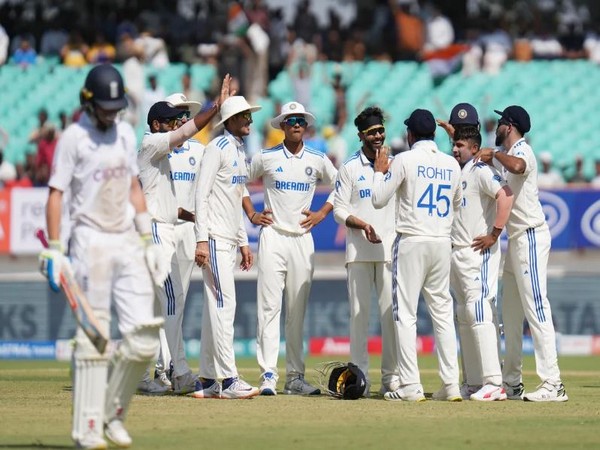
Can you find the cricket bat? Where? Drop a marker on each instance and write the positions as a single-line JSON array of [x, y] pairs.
[[78, 303]]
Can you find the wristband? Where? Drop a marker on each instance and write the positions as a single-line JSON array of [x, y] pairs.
[[55, 245], [252, 218]]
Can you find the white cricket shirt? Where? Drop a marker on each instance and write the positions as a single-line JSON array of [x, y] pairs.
[[480, 184], [185, 167], [426, 182], [289, 183], [155, 176], [97, 167], [527, 210], [221, 186], [353, 189]]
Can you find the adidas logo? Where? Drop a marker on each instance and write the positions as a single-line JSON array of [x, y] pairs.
[[279, 169], [362, 178], [235, 164], [476, 278]]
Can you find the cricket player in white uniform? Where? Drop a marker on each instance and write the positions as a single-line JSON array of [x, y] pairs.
[[158, 183], [525, 268], [96, 161], [476, 263], [426, 183], [220, 230], [290, 173], [369, 237]]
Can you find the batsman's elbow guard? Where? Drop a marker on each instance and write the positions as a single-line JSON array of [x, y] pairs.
[[342, 380], [51, 262]]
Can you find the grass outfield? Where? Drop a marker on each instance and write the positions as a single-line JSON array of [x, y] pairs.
[[35, 406]]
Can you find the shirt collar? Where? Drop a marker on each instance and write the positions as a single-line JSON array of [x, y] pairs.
[[289, 154], [238, 142]]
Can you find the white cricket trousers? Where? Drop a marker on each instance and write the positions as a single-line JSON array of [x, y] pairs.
[[217, 357], [423, 265], [174, 293], [112, 265], [285, 269], [474, 280], [364, 278], [525, 296]]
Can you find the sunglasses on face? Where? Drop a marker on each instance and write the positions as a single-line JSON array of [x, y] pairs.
[[374, 131], [246, 115], [504, 122], [293, 121]]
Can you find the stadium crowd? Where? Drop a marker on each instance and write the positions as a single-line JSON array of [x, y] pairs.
[[255, 40]]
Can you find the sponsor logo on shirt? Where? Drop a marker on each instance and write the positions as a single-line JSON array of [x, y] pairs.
[[239, 179], [109, 173], [292, 186], [183, 176]]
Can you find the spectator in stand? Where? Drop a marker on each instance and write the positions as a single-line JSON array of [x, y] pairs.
[[53, 39], [332, 47], [4, 41], [43, 123], [578, 177], [152, 94], [301, 83], [133, 75], [155, 50], [409, 29], [8, 172], [101, 51], [64, 121], [305, 24], [572, 41], [25, 55], [45, 156], [258, 13], [548, 178], [340, 113], [280, 47], [74, 51], [337, 148], [193, 95], [595, 183], [545, 45]]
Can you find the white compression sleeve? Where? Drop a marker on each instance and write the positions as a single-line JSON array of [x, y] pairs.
[[182, 134]]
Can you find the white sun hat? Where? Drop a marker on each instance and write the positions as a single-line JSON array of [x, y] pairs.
[[234, 105], [178, 99], [292, 108]]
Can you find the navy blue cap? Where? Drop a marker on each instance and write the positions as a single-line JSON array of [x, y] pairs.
[[163, 111], [517, 116], [464, 114], [421, 122]]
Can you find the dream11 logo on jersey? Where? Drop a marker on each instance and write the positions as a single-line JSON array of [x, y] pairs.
[[556, 211]]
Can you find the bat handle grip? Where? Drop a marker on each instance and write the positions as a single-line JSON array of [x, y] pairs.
[[42, 237]]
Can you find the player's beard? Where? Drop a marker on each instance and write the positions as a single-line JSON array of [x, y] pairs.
[[500, 138]]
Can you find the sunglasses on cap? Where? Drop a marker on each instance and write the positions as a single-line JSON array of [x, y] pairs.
[[293, 121], [178, 118], [374, 131], [504, 121]]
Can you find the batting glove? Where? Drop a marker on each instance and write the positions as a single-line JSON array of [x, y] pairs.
[[51, 261], [157, 263]]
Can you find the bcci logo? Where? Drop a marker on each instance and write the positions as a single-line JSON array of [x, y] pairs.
[[464, 185], [590, 223], [308, 171], [192, 161], [556, 212], [462, 113]]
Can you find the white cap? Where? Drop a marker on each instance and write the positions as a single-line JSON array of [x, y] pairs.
[[235, 105], [292, 108], [546, 157], [178, 100]]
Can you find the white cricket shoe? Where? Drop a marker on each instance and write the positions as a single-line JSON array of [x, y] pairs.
[[547, 392], [239, 389], [466, 390], [392, 386], [152, 387], [117, 434], [269, 384], [514, 392], [206, 390], [448, 393], [91, 442], [489, 393], [408, 393], [299, 386], [163, 378], [184, 384]]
